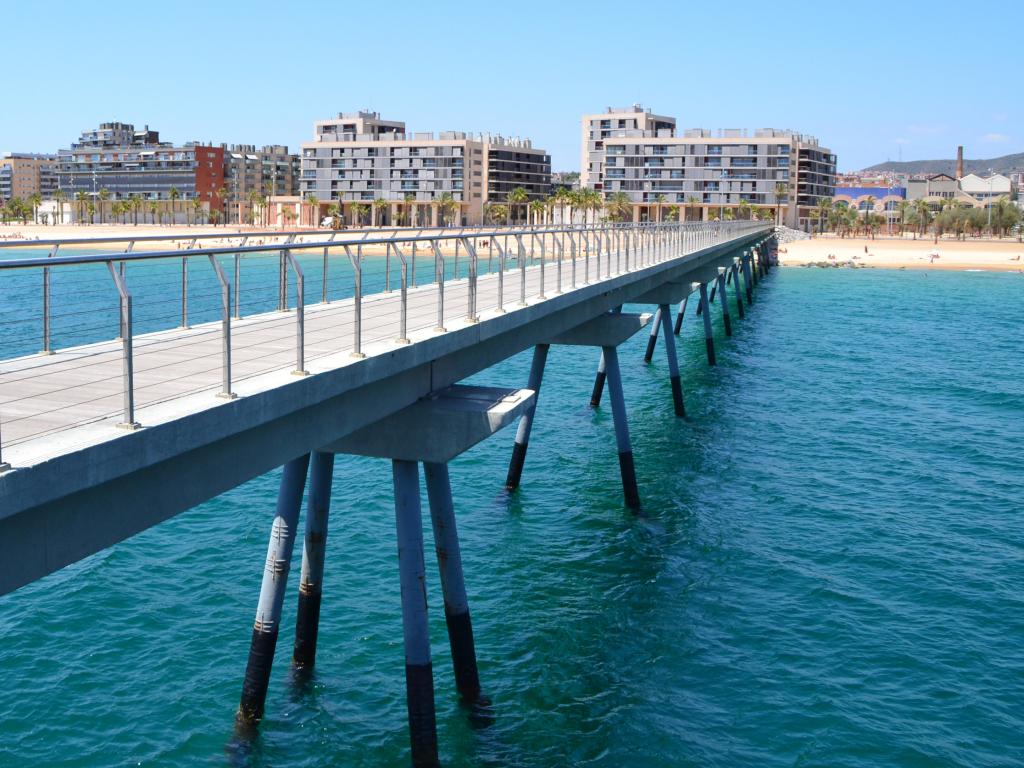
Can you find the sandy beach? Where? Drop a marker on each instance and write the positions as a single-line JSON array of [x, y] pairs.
[[896, 253]]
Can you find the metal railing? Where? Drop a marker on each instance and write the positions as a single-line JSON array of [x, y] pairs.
[[187, 334]]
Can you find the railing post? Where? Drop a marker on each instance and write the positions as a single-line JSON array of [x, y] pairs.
[[439, 275], [543, 258], [403, 310], [4, 466], [572, 256], [46, 350], [501, 275], [225, 325], [127, 362], [300, 316], [357, 299], [184, 291], [557, 242], [323, 292], [522, 269], [387, 268], [471, 316], [586, 257]]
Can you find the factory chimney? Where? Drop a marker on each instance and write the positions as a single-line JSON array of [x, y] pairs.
[[960, 162]]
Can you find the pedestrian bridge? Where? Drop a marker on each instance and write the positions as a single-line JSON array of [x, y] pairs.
[[168, 377]]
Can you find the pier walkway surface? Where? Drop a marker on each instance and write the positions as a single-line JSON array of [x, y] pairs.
[[105, 437]]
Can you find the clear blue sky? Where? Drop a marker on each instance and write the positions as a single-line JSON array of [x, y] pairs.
[[872, 81]]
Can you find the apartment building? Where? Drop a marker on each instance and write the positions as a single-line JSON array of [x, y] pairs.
[[23, 175], [705, 174], [270, 171], [358, 158], [128, 162]]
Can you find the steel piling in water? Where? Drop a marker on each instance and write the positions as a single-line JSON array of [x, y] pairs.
[[453, 584], [652, 339], [679, 317], [515, 466], [735, 269], [726, 320], [318, 506], [709, 335], [665, 317], [419, 674], [275, 578], [618, 400]]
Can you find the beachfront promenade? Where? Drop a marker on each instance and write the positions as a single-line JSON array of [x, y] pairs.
[[285, 353]]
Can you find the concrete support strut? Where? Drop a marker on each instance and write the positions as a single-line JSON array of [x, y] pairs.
[[709, 336], [673, 363], [599, 379], [275, 579], [419, 673], [615, 394], [318, 506], [453, 584], [515, 466]]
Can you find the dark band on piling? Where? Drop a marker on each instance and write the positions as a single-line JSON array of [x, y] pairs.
[[595, 396], [257, 676], [307, 626], [515, 466], [419, 687], [677, 396], [460, 636], [629, 486], [652, 340], [709, 344]]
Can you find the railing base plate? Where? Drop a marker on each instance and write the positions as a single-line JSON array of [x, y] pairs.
[[300, 373], [227, 395], [131, 426]]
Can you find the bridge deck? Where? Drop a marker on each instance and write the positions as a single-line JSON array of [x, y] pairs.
[[55, 403]]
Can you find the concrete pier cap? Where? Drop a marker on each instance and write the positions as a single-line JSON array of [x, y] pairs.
[[441, 426], [608, 330]]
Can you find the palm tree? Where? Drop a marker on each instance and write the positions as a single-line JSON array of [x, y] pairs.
[[135, 203], [660, 200], [618, 206], [379, 206], [197, 207], [821, 212], [517, 196], [744, 212], [314, 209], [154, 209], [924, 215], [410, 209], [222, 195], [693, 201], [496, 212], [903, 208], [81, 198], [537, 208], [448, 206], [359, 210], [334, 212], [781, 191], [35, 200], [174, 194], [870, 200], [255, 199], [91, 208], [104, 196], [559, 200], [59, 197]]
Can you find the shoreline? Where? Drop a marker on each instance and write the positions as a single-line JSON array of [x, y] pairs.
[[897, 253]]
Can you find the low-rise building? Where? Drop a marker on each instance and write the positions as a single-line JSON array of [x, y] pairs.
[[24, 174], [357, 160], [883, 199], [118, 162], [701, 173], [268, 172], [987, 189]]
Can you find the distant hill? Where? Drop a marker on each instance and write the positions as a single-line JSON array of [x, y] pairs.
[[1002, 164]]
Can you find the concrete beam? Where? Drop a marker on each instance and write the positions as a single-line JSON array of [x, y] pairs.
[[603, 331], [439, 427], [669, 293]]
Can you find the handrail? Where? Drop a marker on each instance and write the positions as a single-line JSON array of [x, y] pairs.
[[642, 245]]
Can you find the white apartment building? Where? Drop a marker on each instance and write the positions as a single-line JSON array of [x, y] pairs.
[[360, 159], [703, 173]]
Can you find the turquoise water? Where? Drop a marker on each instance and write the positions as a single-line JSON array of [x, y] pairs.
[[827, 571]]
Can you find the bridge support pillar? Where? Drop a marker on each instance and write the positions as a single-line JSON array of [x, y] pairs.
[[515, 466], [705, 311], [735, 270], [673, 362], [599, 378], [726, 320], [275, 579], [679, 317], [307, 618], [652, 340], [453, 584], [625, 449], [747, 279], [419, 672]]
